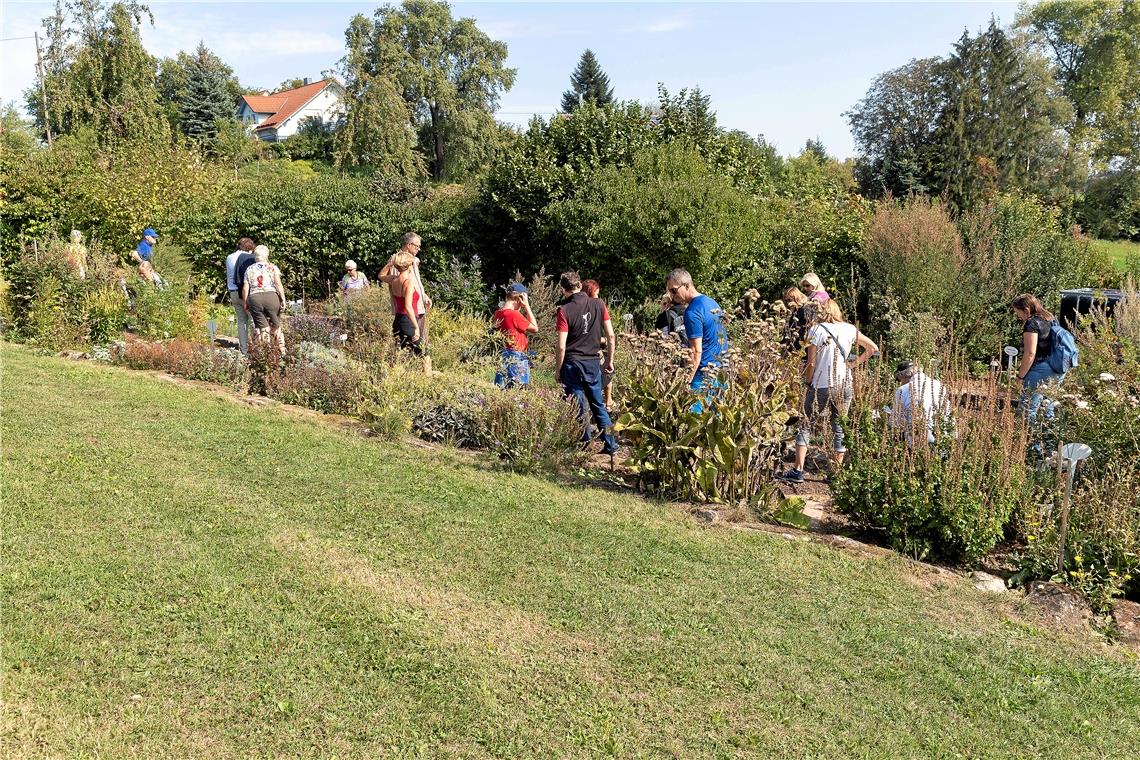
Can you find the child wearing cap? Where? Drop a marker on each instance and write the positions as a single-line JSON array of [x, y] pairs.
[[516, 321]]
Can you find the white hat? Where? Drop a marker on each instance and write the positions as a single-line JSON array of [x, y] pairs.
[[350, 264]]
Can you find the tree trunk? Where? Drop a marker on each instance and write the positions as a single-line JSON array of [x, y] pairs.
[[437, 142]]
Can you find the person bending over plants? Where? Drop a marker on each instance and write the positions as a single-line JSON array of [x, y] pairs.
[[1036, 346], [264, 297], [830, 359], [143, 255]]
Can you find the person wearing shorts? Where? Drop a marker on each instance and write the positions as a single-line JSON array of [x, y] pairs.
[[264, 297], [402, 285], [832, 353]]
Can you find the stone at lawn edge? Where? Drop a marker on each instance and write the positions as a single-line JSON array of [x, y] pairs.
[[987, 582], [1126, 615], [707, 515], [1066, 607]]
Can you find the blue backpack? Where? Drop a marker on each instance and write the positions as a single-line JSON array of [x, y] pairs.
[[1065, 354]]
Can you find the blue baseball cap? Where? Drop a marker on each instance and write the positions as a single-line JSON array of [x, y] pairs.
[[149, 232], [516, 287]]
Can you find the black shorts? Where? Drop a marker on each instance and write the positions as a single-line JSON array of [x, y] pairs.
[[265, 309], [404, 331]]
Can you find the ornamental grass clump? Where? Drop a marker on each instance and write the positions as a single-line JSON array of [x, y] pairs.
[[531, 430], [727, 453], [950, 499]]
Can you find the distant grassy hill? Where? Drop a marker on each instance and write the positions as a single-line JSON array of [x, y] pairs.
[[1119, 251], [184, 576]]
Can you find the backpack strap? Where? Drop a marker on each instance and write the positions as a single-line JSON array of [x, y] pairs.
[[839, 346]]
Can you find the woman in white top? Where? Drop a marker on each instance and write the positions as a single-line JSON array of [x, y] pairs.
[[264, 297], [353, 281], [830, 359]]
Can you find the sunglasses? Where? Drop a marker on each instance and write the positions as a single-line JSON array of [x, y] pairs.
[[673, 290]]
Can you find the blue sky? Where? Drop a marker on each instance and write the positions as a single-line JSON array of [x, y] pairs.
[[784, 70]]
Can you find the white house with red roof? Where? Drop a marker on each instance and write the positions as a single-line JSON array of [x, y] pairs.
[[276, 116]]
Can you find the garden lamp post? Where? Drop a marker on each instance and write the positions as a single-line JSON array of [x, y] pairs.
[[212, 328], [1071, 454]]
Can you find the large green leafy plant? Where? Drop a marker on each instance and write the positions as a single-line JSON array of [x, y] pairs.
[[728, 451]]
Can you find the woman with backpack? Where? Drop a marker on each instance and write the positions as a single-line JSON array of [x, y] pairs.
[[1047, 352], [830, 358]]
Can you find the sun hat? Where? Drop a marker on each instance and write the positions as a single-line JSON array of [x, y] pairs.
[[516, 287], [149, 232]]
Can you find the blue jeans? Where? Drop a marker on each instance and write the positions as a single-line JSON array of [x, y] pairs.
[[583, 381], [1030, 400], [708, 385], [515, 370], [816, 401]]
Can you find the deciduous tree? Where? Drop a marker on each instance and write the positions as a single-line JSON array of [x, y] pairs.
[[97, 75], [449, 73]]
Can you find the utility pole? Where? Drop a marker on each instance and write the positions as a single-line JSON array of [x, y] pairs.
[[43, 90]]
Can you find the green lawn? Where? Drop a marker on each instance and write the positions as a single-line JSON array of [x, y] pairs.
[[1119, 251], [185, 576]]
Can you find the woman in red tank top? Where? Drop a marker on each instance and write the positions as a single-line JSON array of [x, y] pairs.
[[405, 301]]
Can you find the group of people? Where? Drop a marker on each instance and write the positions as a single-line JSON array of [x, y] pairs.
[[586, 345], [75, 254], [257, 294], [833, 348]]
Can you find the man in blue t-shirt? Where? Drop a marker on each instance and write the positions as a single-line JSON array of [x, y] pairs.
[[704, 326]]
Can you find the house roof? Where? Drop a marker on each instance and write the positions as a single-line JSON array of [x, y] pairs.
[[285, 103]]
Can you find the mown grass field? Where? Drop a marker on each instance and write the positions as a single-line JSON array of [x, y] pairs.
[[185, 576], [1119, 251]]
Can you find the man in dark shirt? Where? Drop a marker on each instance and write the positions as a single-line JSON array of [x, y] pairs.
[[580, 322]]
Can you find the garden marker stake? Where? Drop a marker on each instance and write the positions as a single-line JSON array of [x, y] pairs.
[[1072, 454]]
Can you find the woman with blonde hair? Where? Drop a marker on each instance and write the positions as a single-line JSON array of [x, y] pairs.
[[813, 286], [264, 297], [830, 359], [803, 311], [399, 273]]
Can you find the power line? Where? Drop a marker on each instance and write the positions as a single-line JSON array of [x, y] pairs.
[[9, 39]]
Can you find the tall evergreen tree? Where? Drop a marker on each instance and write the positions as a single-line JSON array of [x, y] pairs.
[[174, 81], [587, 83], [998, 125], [207, 100]]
